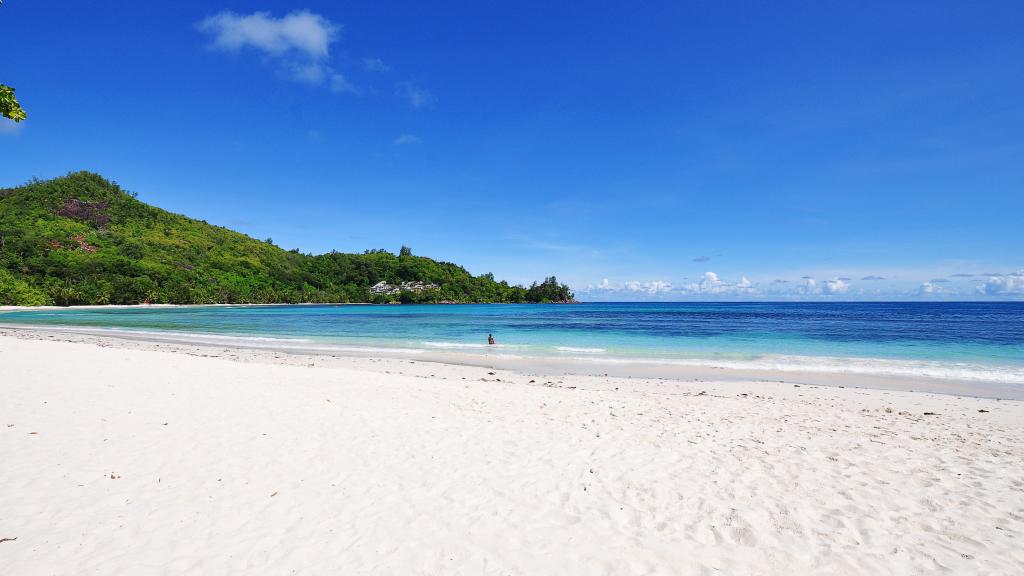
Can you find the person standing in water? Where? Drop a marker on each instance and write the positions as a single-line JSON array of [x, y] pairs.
[[490, 339]]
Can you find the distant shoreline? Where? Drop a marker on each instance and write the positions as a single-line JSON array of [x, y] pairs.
[[147, 306], [8, 308]]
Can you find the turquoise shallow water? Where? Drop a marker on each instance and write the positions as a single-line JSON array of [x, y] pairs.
[[977, 341]]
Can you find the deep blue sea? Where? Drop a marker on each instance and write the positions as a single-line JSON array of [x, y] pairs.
[[972, 341]]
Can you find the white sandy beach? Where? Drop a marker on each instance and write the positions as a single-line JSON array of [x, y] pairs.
[[143, 458]]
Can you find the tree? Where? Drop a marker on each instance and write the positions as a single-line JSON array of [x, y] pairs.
[[9, 106], [405, 251]]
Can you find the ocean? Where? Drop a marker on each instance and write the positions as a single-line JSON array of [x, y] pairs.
[[963, 341]]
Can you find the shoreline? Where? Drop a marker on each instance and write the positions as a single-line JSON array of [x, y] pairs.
[[535, 365], [12, 308], [126, 456]]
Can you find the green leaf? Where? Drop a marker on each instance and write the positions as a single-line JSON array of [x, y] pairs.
[[9, 106]]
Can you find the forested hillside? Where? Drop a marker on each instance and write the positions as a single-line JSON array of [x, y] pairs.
[[81, 239]]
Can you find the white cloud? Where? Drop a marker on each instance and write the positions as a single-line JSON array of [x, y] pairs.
[[405, 139], [375, 65], [834, 286], [825, 287], [744, 286], [416, 96], [712, 286], [654, 287], [709, 283], [1012, 283], [302, 32], [298, 44], [658, 286]]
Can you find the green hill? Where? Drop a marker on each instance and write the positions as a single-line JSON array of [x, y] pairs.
[[81, 239]]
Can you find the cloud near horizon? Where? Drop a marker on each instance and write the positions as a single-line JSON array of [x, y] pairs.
[[710, 283], [655, 287], [834, 286], [712, 286], [1003, 284]]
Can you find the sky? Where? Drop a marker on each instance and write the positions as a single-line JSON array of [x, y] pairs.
[[637, 150]]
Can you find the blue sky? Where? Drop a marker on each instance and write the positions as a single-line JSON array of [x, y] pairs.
[[641, 150]]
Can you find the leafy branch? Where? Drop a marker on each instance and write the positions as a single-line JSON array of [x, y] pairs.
[[9, 106]]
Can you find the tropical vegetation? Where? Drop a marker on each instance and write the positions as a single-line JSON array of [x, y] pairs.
[[81, 239]]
